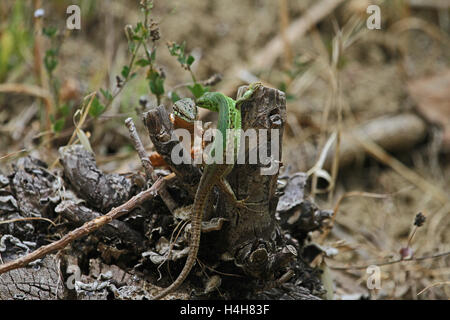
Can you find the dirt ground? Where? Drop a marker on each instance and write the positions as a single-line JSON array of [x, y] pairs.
[[338, 76]]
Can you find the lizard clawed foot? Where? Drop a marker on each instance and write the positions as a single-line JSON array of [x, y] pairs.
[[244, 204]]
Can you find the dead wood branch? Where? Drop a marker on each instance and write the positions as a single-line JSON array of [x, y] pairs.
[[86, 228], [145, 160], [102, 191], [160, 130]]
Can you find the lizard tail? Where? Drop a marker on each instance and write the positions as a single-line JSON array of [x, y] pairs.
[[183, 274], [205, 187]]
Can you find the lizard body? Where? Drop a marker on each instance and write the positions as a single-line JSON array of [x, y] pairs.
[[213, 174]]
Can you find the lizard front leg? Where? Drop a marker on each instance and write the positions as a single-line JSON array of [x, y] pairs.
[[225, 187]]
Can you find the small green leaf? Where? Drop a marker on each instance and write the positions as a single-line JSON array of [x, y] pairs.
[[108, 96], [64, 109], [143, 62], [50, 60], [138, 27], [282, 86], [58, 125], [49, 31], [198, 90], [125, 71], [153, 56], [190, 60], [174, 96], [156, 83], [96, 108], [177, 50], [290, 97], [182, 60], [131, 46]]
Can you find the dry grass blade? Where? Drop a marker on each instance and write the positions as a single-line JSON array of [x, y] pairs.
[[347, 195], [84, 111], [419, 24], [377, 152], [284, 24], [385, 263], [434, 285], [317, 170], [12, 154], [26, 219], [78, 132]]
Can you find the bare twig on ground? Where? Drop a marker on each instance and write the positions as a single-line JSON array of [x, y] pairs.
[[145, 160], [384, 263], [434, 285], [140, 149]]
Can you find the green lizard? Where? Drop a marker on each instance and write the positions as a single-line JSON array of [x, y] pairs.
[[213, 174]]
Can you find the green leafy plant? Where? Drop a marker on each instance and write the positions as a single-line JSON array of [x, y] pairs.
[[139, 37], [185, 60], [51, 61], [142, 40]]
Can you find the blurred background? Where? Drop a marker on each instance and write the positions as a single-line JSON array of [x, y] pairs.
[[368, 110]]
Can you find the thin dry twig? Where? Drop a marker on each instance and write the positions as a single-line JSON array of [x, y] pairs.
[[84, 114], [434, 285], [26, 219], [385, 263], [266, 57], [318, 171], [145, 160], [284, 24], [41, 75], [149, 171], [12, 154]]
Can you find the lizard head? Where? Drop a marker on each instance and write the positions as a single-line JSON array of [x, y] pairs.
[[185, 109], [206, 100]]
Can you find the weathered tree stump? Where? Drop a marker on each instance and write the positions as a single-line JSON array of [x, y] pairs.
[[251, 233], [251, 237]]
